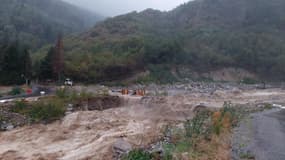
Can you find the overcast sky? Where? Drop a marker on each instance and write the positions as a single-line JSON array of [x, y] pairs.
[[116, 7]]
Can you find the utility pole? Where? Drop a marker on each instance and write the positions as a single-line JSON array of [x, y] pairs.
[[26, 79], [58, 58]]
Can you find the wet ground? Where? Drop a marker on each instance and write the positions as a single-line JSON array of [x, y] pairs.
[[261, 136]]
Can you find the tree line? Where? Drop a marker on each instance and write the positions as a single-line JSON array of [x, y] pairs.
[[16, 66], [52, 66]]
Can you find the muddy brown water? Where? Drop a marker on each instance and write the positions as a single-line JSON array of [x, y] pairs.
[[91, 134]]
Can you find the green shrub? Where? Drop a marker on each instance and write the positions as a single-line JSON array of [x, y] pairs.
[[249, 81], [84, 95], [226, 118], [138, 154], [217, 127], [234, 111], [168, 151], [16, 91], [268, 106], [247, 155], [73, 96], [195, 127], [19, 107], [61, 93], [145, 79], [183, 145], [1, 119], [47, 111]]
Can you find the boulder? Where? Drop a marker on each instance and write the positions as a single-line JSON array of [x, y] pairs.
[[236, 91], [121, 146], [9, 127], [200, 108]]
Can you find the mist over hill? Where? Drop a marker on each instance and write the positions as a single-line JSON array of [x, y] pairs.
[[35, 22], [119, 7]]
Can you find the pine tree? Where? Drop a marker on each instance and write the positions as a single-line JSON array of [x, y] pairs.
[[46, 66], [15, 65]]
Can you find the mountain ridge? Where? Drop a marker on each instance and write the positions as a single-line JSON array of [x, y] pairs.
[[202, 35]]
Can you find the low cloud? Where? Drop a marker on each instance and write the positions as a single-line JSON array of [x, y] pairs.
[[117, 7]]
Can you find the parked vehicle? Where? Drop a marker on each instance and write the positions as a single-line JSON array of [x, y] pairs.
[[68, 82]]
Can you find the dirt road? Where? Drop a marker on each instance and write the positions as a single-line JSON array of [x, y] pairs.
[[91, 134]]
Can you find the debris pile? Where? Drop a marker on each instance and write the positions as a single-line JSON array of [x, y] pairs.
[[10, 120]]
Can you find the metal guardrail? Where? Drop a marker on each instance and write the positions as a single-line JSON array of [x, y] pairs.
[[35, 93]]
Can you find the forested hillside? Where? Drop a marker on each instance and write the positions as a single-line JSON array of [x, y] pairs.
[[202, 35], [26, 25], [37, 22]]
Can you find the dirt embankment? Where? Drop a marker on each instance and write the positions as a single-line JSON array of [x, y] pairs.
[[139, 121], [99, 103], [222, 74]]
